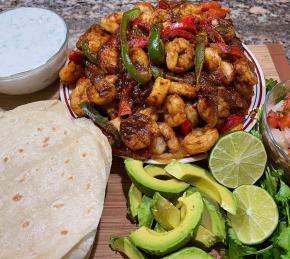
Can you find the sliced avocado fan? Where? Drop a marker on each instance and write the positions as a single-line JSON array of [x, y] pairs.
[[148, 185], [134, 201], [145, 216], [200, 178], [189, 253], [157, 243]]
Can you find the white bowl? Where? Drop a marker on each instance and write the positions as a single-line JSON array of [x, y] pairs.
[[41, 76]]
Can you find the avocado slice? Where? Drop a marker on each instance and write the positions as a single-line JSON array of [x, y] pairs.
[[145, 216], [134, 201], [212, 227], [204, 238], [149, 185], [213, 220], [164, 212], [157, 172], [125, 246], [163, 243], [158, 228], [201, 179], [189, 253]]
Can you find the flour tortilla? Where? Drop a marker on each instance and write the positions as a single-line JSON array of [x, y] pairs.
[[53, 175]]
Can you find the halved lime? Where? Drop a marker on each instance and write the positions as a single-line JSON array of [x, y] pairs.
[[257, 215], [237, 158]]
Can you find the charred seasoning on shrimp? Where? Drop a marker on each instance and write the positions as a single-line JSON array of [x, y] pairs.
[[166, 78]]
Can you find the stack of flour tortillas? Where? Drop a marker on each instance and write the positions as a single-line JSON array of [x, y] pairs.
[[53, 175]]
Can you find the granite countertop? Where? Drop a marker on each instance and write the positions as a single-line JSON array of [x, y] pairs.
[[257, 21]]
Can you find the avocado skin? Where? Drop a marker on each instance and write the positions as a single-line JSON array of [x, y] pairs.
[[145, 216], [125, 246], [189, 253], [149, 185], [134, 201], [164, 212], [201, 179], [160, 244]]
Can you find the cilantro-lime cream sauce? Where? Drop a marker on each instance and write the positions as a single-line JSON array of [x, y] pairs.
[[29, 37]]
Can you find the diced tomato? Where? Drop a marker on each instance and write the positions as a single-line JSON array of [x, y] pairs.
[[75, 57], [210, 5], [217, 13], [186, 127], [284, 121], [273, 119], [232, 121]]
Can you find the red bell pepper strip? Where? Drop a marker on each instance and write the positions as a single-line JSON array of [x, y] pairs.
[[140, 42], [216, 13], [210, 5], [179, 34], [186, 24], [226, 49], [232, 121], [141, 24], [162, 4], [186, 127], [124, 104], [76, 57], [206, 24]]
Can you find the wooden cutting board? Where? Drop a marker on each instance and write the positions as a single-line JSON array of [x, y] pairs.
[[114, 218]]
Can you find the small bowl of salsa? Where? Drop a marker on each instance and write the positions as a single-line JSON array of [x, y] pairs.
[[276, 124]]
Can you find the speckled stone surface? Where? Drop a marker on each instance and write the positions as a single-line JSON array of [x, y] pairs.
[[257, 21]]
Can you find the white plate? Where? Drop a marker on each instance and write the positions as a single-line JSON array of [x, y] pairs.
[[249, 121]]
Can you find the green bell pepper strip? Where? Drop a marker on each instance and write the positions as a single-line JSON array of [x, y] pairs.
[[199, 56], [87, 52], [101, 121], [140, 77], [156, 48]]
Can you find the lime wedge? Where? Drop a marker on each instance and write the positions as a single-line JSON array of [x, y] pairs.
[[257, 215], [237, 158]]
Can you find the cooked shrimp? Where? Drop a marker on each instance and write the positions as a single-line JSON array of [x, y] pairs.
[[78, 95], [134, 131], [183, 89], [70, 73], [186, 9], [212, 59], [147, 12], [103, 91], [158, 145], [179, 55], [192, 115], [245, 79], [95, 36], [108, 59], [159, 92], [228, 71], [200, 140], [208, 110], [161, 16], [150, 112], [140, 58], [112, 21], [244, 72], [174, 110], [170, 137], [223, 108]]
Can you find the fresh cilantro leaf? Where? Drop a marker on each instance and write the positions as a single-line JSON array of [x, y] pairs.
[[270, 83], [283, 195], [283, 240]]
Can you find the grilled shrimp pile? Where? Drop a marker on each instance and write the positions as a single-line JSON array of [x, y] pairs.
[[164, 81]]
